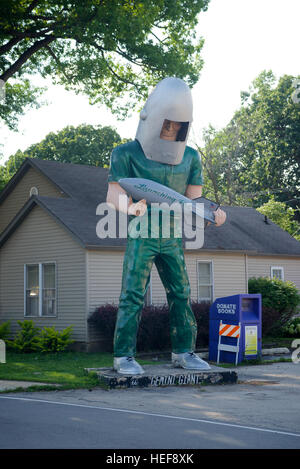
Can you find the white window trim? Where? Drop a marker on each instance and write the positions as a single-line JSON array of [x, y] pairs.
[[40, 315], [274, 267], [211, 262]]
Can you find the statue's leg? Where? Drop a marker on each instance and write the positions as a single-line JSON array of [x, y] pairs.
[[172, 271], [137, 265]]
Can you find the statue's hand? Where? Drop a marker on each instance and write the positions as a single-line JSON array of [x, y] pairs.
[[220, 217], [138, 209]]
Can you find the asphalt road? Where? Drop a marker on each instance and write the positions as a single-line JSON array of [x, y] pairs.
[[65, 425], [261, 412]]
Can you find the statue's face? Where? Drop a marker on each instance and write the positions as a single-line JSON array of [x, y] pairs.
[[170, 130], [165, 121]]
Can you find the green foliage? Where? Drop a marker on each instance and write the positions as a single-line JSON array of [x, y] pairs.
[[276, 293], [34, 339], [51, 340], [292, 328], [26, 340], [258, 153], [85, 144], [107, 49], [282, 215], [19, 97], [4, 330], [279, 302]]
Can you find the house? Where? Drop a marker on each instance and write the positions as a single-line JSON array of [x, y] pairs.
[[55, 270]]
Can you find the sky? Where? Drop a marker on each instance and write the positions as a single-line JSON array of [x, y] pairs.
[[242, 38]]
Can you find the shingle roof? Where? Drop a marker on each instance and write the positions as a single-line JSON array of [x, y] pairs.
[[245, 229]]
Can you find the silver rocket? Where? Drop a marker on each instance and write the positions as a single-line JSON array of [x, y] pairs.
[[154, 192]]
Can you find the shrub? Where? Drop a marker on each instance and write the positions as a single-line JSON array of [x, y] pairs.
[[292, 328], [154, 330], [201, 312], [271, 322], [26, 340], [33, 339], [279, 302], [51, 340], [4, 330], [104, 318]]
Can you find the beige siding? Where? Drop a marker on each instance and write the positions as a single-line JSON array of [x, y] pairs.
[[228, 275], [20, 194], [105, 275], [260, 266], [40, 239]]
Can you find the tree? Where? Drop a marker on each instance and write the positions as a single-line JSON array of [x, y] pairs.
[[271, 160], [220, 164], [282, 215], [19, 96], [258, 153], [84, 144], [106, 49]]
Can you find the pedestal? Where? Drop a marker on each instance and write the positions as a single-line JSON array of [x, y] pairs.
[[164, 375]]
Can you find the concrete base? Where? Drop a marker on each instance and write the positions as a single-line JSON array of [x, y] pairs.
[[164, 375]]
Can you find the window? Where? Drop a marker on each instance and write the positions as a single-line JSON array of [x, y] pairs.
[[33, 191], [205, 281], [277, 272], [49, 290], [32, 290], [40, 289]]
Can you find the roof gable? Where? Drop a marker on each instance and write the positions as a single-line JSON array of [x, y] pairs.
[[26, 165]]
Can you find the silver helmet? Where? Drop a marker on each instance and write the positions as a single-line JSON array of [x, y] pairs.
[[170, 101]]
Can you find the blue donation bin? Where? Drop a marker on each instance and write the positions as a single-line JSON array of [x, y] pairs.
[[235, 328]]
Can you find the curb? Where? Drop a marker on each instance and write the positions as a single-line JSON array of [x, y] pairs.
[[264, 352], [275, 351], [11, 385]]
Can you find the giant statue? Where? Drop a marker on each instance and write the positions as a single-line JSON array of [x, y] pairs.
[[158, 153]]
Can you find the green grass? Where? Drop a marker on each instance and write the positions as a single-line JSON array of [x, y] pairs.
[[64, 368], [67, 368]]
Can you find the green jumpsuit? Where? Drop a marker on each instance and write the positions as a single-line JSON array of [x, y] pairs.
[[129, 161]]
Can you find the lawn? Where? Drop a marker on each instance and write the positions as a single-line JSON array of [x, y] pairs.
[[64, 368]]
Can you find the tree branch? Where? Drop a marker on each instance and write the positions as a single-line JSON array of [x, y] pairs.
[[60, 66], [112, 70], [22, 35], [9, 45], [127, 57], [41, 17], [210, 174], [32, 6], [25, 56]]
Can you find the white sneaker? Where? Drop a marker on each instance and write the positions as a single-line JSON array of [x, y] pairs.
[[189, 361], [127, 366]]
